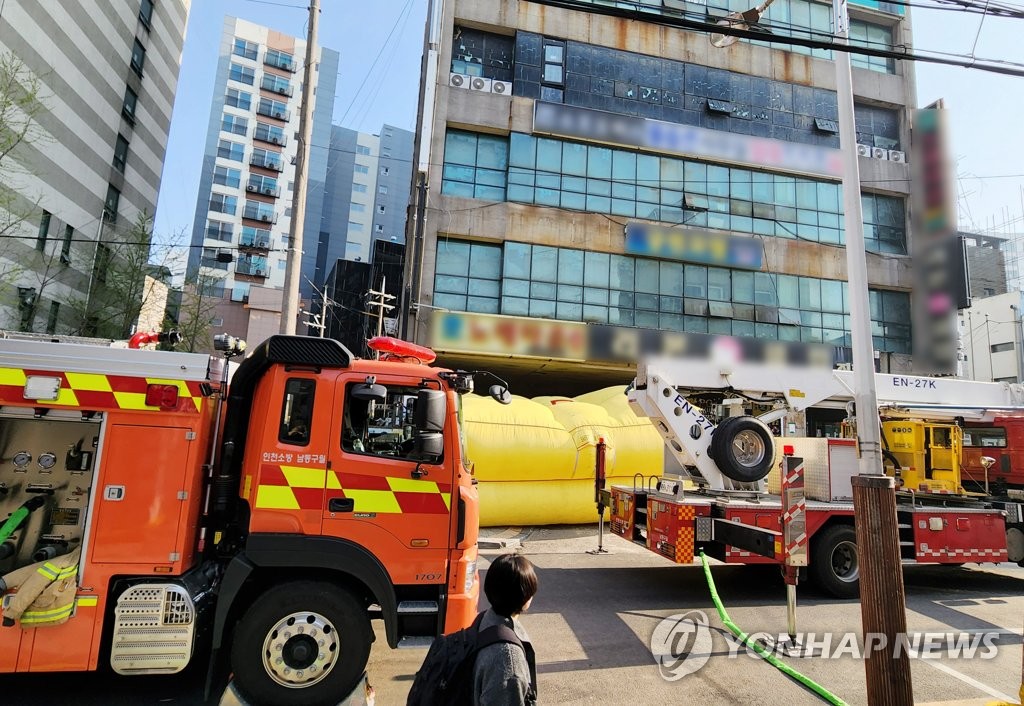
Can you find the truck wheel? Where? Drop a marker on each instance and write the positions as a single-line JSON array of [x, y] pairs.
[[743, 449], [304, 643], [834, 564]]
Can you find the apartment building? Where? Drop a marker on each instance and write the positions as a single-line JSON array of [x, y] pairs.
[[106, 75]]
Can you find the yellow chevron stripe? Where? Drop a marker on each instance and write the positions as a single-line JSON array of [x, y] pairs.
[[131, 400], [88, 381], [12, 376], [332, 481], [410, 485], [66, 396], [301, 477], [374, 501], [276, 497], [87, 601]]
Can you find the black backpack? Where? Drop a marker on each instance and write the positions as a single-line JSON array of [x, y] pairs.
[[446, 676]]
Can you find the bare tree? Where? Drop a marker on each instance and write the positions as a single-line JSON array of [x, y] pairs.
[[199, 302], [21, 105]]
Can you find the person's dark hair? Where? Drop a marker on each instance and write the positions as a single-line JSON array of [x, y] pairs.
[[510, 583]]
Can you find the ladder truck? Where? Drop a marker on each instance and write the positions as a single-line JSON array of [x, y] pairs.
[[725, 498], [255, 525]]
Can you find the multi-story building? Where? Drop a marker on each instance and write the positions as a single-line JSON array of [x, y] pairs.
[[986, 264], [601, 181], [368, 182], [992, 347], [104, 76], [349, 317], [245, 190]]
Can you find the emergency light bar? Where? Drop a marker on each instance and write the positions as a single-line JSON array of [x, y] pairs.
[[401, 349]]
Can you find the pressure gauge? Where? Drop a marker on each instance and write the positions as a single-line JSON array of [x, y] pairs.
[[22, 459], [47, 460]]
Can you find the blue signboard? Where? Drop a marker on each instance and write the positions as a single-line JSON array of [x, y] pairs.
[[694, 245]]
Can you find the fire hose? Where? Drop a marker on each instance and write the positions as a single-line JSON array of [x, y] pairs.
[[763, 652]]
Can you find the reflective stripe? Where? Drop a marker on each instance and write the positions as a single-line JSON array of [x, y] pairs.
[[301, 477], [88, 382], [374, 500], [131, 400], [55, 572], [12, 376], [410, 485], [87, 601], [31, 617], [276, 497]]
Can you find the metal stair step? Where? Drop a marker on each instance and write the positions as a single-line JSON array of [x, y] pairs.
[[417, 607], [408, 642]]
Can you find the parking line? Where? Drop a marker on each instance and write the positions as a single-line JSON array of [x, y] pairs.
[[968, 680]]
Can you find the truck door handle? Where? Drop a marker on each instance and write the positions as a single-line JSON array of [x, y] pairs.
[[341, 504]]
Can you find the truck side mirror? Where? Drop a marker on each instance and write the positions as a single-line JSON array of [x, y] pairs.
[[431, 406], [370, 392], [429, 446], [501, 394]]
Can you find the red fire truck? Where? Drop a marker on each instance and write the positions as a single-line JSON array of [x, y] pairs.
[[726, 498], [264, 523]]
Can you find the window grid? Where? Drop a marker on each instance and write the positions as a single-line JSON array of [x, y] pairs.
[[225, 176], [234, 124], [234, 151], [519, 279], [242, 74], [597, 179], [238, 99], [245, 49]]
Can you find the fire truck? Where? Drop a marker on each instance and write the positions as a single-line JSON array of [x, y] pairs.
[[256, 526], [726, 496]]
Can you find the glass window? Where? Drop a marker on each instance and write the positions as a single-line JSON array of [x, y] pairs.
[[297, 411], [131, 100], [238, 99], [242, 74], [146, 14], [380, 428], [245, 48], [120, 153], [138, 57], [544, 264]]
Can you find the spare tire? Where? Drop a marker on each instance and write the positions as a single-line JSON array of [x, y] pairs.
[[743, 448]]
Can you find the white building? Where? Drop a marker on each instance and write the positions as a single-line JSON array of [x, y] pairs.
[[990, 334]]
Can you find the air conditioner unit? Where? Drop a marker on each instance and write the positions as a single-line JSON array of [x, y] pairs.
[[879, 153], [265, 217], [458, 81], [268, 190], [279, 116], [250, 187], [863, 150], [503, 88], [479, 83], [897, 156], [276, 140]]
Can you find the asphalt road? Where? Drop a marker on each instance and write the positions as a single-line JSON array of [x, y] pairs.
[[593, 620]]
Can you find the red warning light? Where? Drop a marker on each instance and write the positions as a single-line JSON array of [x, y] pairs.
[[395, 347]]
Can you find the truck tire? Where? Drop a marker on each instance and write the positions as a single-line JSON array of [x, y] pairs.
[[835, 567], [743, 449], [303, 643]]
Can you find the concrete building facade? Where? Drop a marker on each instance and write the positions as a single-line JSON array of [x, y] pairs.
[[990, 336], [248, 173], [91, 162], [986, 265], [601, 182]]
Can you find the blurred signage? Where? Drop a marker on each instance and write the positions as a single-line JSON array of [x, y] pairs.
[[510, 336], [940, 262], [687, 140], [694, 245]]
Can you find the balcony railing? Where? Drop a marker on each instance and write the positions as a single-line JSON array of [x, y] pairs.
[[258, 214], [259, 240], [274, 112], [264, 189], [267, 162], [272, 138], [281, 87], [251, 268], [280, 62]]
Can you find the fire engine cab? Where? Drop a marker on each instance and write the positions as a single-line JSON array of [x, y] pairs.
[[264, 523], [727, 496]]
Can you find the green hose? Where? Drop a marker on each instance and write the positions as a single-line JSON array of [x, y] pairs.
[[13, 522], [745, 640]]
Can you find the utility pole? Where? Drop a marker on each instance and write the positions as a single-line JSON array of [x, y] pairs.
[[882, 598], [379, 301], [293, 270]]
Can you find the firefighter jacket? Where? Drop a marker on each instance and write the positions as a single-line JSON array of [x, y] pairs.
[[46, 592]]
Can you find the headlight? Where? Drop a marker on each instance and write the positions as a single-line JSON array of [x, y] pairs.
[[470, 576]]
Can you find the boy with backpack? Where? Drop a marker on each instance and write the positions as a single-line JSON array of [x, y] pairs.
[[490, 663]]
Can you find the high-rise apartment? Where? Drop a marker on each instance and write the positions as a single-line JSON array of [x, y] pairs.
[[92, 157], [601, 180], [245, 191], [368, 181]]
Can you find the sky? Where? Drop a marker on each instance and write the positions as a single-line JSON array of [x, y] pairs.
[[985, 108]]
